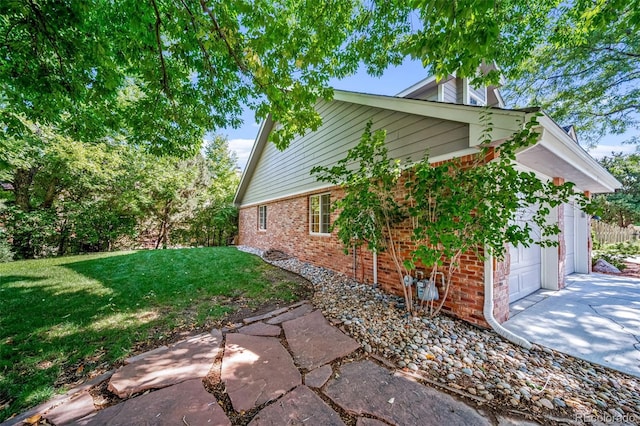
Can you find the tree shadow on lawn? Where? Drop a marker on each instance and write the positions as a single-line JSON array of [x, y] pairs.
[[54, 333], [10, 279], [49, 339]]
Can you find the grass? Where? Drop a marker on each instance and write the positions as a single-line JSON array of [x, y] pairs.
[[63, 318]]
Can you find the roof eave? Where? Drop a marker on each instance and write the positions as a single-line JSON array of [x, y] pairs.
[[580, 157]]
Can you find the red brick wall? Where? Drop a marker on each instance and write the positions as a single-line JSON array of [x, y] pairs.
[[288, 231]]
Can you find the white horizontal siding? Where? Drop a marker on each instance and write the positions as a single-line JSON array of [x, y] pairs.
[[283, 173], [450, 91]]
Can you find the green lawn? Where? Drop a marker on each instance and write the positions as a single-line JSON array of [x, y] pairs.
[[62, 318]]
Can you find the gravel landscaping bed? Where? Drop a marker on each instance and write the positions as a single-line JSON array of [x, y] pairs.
[[542, 382]]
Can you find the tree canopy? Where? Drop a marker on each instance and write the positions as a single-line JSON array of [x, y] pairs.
[[160, 74], [587, 71], [68, 197], [623, 206]]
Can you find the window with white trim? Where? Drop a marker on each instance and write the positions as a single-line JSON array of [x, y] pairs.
[[319, 214], [262, 217]]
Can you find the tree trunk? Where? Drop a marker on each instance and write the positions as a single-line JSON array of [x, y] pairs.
[[62, 241], [50, 195], [164, 226], [161, 233], [22, 180]]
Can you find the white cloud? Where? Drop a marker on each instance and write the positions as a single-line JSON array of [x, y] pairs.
[[606, 150], [242, 148]]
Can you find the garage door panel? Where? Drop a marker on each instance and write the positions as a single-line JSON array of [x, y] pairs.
[[524, 276], [525, 263]]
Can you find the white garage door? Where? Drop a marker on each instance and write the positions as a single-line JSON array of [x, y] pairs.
[[524, 276], [570, 238]]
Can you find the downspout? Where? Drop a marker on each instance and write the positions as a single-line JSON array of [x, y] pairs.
[[375, 269], [488, 307]]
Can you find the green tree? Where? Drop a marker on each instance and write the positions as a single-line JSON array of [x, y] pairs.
[[187, 201], [622, 207], [66, 196], [587, 71], [215, 221], [162, 73], [370, 209], [454, 208]]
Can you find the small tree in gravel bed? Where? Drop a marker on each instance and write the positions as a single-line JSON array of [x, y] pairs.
[[456, 207], [471, 206], [369, 209]]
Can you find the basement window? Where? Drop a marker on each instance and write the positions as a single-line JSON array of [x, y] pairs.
[[262, 218], [319, 214]]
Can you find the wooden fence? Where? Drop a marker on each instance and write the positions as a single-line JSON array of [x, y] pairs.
[[605, 233]]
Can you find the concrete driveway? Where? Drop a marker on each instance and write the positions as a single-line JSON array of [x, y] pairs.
[[596, 318]]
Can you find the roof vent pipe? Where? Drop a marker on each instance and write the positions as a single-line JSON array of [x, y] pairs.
[[488, 307]]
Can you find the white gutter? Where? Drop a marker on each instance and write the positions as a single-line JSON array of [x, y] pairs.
[[375, 268], [488, 307]]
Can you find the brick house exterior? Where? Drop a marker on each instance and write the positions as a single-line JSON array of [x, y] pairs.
[[279, 183]]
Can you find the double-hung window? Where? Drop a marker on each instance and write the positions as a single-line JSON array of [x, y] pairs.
[[262, 218], [319, 214]]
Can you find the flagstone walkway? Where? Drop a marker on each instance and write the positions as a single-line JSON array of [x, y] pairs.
[[287, 367]]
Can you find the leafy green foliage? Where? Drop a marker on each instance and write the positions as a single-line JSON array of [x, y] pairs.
[[586, 71], [92, 311], [369, 209], [623, 206], [6, 255], [468, 205], [159, 74], [72, 197], [615, 254]]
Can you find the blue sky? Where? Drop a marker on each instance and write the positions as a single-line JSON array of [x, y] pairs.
[[393, 81]]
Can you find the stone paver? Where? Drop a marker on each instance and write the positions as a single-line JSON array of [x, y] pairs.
[[299, 407], [363, 387], [187, 403], [294, 313], [265, 316], [187, 360], [256, 369], [141, 357], [365, 421], [261, 329], [318, 377], [315, 342], [79, 406]]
